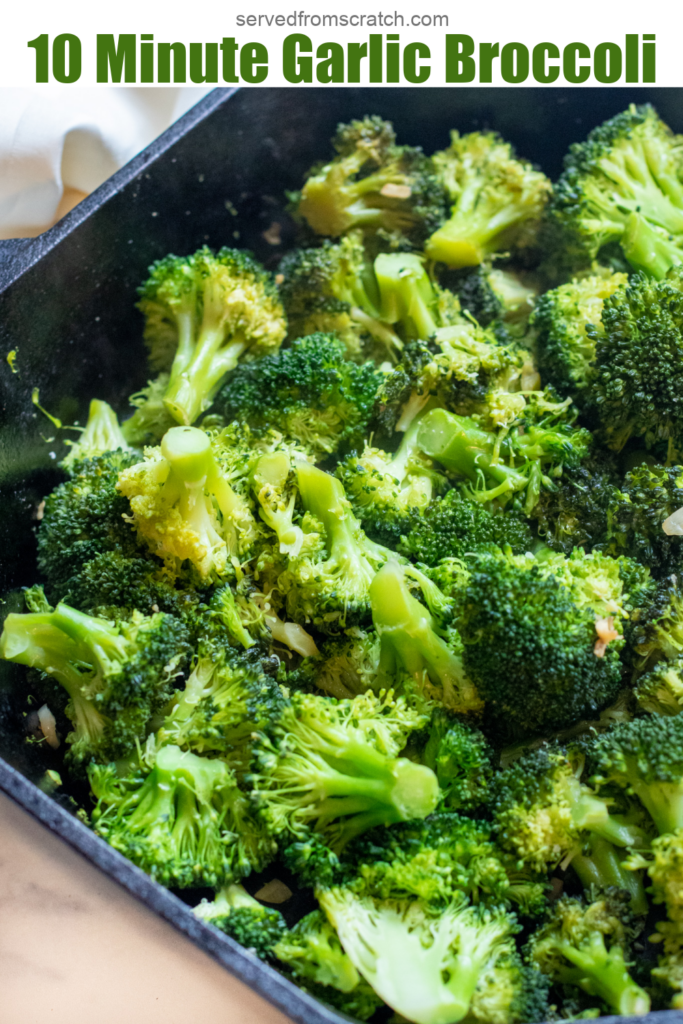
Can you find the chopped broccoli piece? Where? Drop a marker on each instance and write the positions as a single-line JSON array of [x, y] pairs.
[[636, 382], [332, 766], [649, 496], [151, 418], [184, 508], [117, 675], [431, 966], [566, 350], [587, 944], [100, 435], [244, 919], [411, 647], [309, 391], [184, 821], [202, 314], [497, 200], [575, 513], [312, 951], [660, 691], [622, 185], [374, 185], [462, 759]]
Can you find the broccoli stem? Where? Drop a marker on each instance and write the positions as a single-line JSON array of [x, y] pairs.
[[462, 447], [199, 368], [603, 974], [406, 293], [409, 642], [602, 867], [647, 250], [663, 800], [471, 234]]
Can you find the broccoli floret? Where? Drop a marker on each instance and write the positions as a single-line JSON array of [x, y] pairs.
[[184, 821], [636, 382], [622, 185], [431, 966], [566, 351], [184, 508], [83, 518], [453, 526], [462, 759], [333, 290], [225, 700], [374, 185], [344, 667], [100, 435], [587, 944], [244, 919], [388, 492], [540, 641], [313, 952], [411, 647], [658, 631], [117, 676], [497, 200], [545, 816], [332, 766], [575, 513], [434, 860], [328, 582], [309, 391], [645, 757], [649, 496], [660, 691], [202, 314], [511, 464]]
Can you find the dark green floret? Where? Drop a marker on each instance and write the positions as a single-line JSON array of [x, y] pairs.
[[462, 759], [310, 392], [244, 919], [649, 495]]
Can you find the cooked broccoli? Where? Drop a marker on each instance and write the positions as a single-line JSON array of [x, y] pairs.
[[344, 667], [453, 526], [545, 816], [497, 200], [540, 639], [257, 928], [83, 518], [566, 350], [184, 821], [202, 314], [388, 492], [508, 465], [432, 966], [462, 759], [310, 392], [412, 647], [333, 290], [184, 508], [622, 185], [328, 584], [151, 418], [100, 435], [660, 691], [587, 944], [333, 766], [645, 757], [312, 951], [374, 185], [575, 513], [658, 631], [434, 860], [636, 382], [117, 675], [638, 512]]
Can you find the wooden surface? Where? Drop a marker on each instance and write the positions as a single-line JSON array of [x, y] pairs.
[[75, 948]]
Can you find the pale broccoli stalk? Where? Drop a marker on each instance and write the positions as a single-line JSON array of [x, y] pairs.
[[426, 965], [217, 308], [410, 645], [312, 950], [184, 508], [101, 434], [406, 293], [269, 481], [498, 200]]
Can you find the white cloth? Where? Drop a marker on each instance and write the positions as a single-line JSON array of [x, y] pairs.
[[57, 138]]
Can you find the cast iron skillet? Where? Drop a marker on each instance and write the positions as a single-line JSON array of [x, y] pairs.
[[218, 176]]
